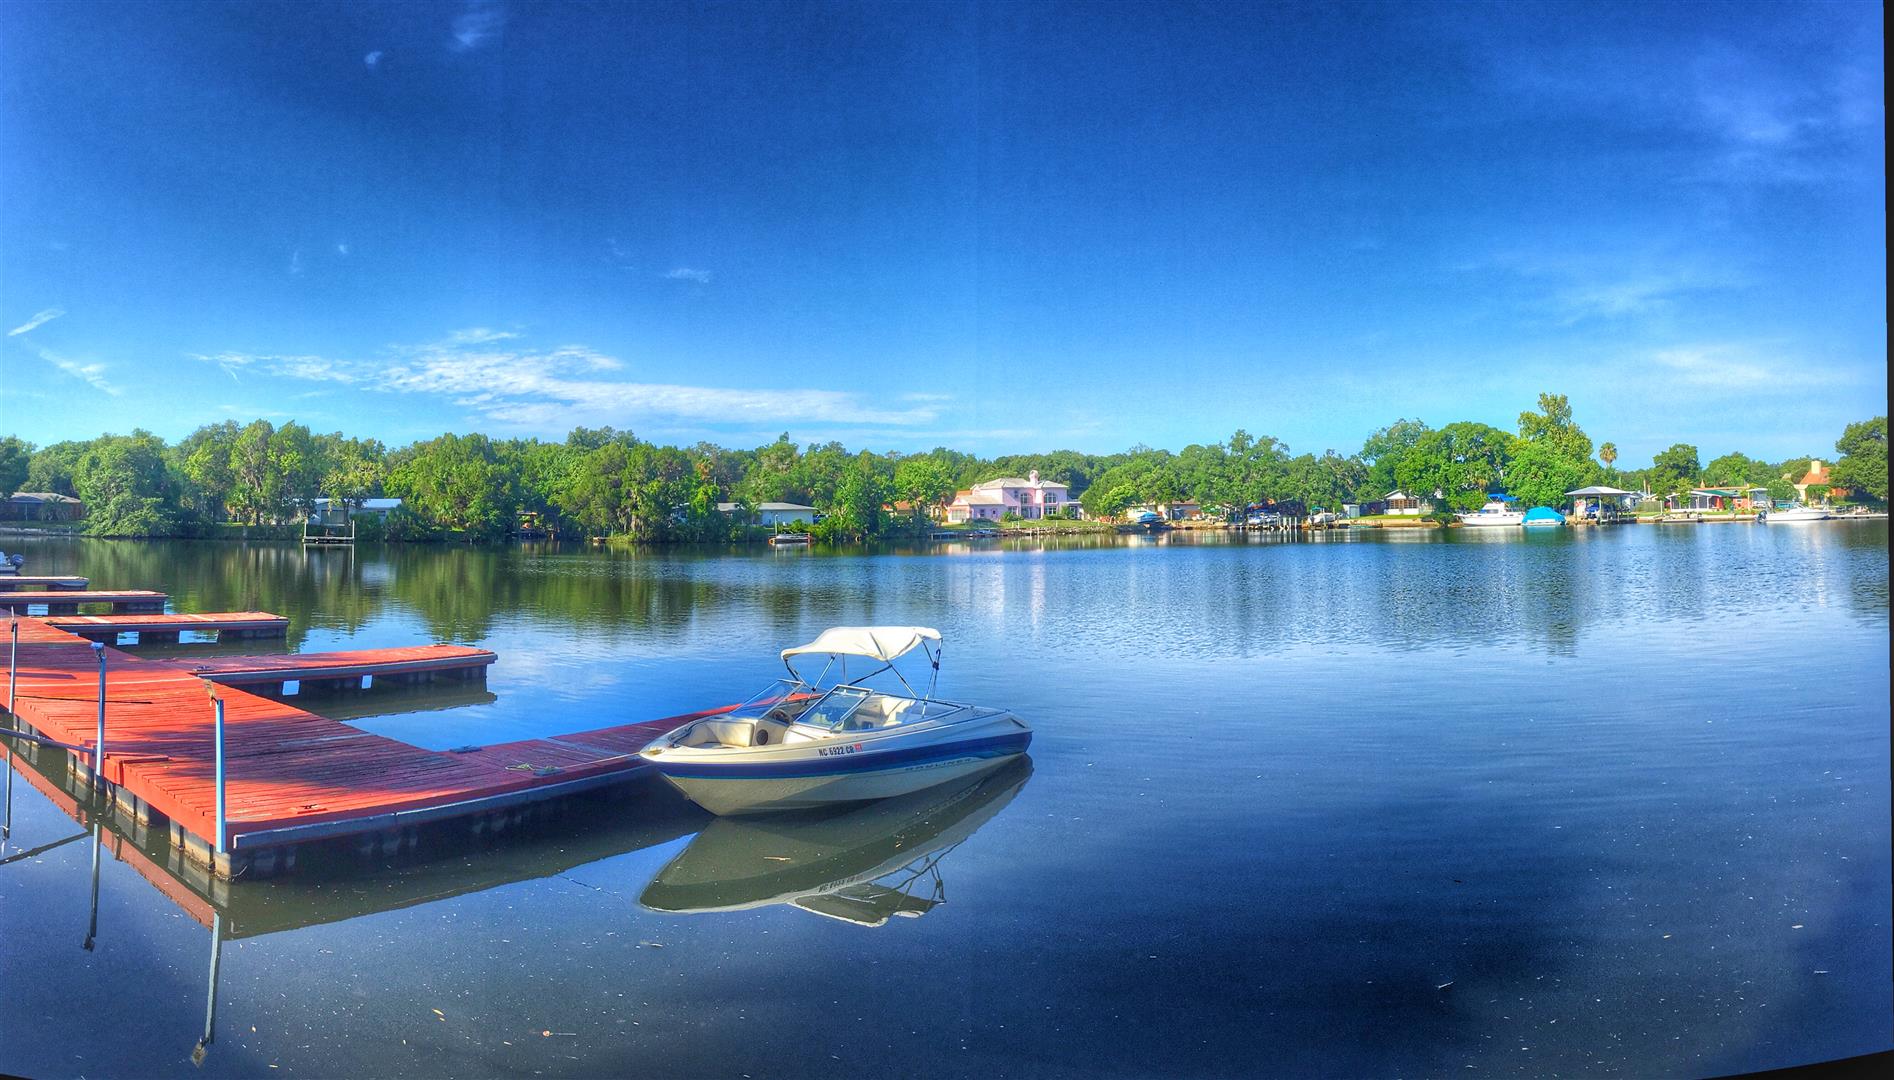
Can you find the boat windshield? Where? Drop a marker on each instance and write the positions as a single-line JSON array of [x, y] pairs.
[[832, 711], [776, 693]]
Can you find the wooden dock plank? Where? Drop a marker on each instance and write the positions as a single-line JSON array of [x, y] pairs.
[[128, 600], [305, 667], [248, 623], [55, 583]]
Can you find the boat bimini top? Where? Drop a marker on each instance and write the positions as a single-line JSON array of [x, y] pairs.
[[879, 643]]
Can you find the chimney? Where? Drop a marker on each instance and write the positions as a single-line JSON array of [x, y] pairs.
[[1033, 476]]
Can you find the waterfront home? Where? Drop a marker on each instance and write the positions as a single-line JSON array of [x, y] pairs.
[[1180, 510], [1400, 503], [1818, 475], [323, 510], [774, 513], [991, 500], [1740, 497], [41, 506]]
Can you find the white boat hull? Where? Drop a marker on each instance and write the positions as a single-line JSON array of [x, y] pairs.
[[1488, 521], [1798, 516], [849, 767]]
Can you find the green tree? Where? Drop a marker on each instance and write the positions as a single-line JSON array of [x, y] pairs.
[[1382, 453], [127, 486], [1608, 453], [1863, 464], [52, 468], [924, 481], [454, 482], [1459, 463], [1674, 470], [15, 459]]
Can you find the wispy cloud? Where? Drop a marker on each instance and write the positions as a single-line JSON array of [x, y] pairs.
[[477, 24], [1733, 367], [296, 261], [36, 321], [93, 374], [685, 273], [342, 250], [372, 60], [480, 370]]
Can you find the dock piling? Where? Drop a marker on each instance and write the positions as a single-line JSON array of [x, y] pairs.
[[98, 845]]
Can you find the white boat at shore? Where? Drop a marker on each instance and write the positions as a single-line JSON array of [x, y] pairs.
[[1795, 515], [1496, 512], [798, 746]]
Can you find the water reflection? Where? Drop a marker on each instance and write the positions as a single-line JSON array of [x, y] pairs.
[[863, 864]]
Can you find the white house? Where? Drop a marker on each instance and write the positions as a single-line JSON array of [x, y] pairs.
[[776, 513], [993, 499], [1401, 503]]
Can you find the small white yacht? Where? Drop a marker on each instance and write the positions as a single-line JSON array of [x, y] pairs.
[[796, 746], [1497, 511], [1795, 515]]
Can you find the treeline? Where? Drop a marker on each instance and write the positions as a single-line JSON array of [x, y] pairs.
[[608, 482]]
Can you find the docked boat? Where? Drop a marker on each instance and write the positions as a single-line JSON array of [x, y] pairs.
[[797, 745], [1498, 511], [10, 564], [1794, 515], [795, 539], [1543, 517], [863, 864]]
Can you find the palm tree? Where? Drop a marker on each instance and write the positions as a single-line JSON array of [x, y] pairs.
[[1608, 453]]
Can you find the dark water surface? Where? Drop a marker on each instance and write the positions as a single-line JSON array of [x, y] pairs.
[[1623, 793]]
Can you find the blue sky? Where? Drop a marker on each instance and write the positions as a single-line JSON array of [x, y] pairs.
[[999, 227]]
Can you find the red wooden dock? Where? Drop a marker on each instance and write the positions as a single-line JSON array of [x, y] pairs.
[[412, 664], [225, 624], [24, 581], [66, 602], [292, 776]]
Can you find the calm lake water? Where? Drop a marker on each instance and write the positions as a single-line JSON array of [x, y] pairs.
[[1601, 802]]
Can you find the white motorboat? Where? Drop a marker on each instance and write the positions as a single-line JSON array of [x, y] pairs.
[[862, 864], [1497, 511], [1795, 515], [796, 746], [10, 564]]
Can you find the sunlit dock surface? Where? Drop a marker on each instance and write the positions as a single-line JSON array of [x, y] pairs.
[[290, 777]]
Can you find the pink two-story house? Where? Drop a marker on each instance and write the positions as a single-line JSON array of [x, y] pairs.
[[993, 499]]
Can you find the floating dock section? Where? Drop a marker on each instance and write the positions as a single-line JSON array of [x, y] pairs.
[[288, 776], [227, 625], [20, 581], [67, 601]]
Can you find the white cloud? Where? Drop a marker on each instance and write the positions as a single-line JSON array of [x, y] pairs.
[[342, 249], [685, 273], [554, 389], [296, 261], [1738, 367], [372, 60], [93, 374], [37, 321], [477, 24]]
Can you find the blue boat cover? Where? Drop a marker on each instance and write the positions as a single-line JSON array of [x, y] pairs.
[[1544, 514]]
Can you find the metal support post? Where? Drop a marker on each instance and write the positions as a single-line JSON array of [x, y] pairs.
[[98, 743], [217, 703], [13, 667]]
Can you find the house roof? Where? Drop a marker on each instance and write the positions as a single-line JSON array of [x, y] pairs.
[[1599, 489], [41, 497], [1817, 474], [978, 497], [729, 507], [1016, 482]]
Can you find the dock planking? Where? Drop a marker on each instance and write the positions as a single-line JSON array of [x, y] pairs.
[[408, 664], [53, 584], [292, 776], [225, 624], [67, 602]]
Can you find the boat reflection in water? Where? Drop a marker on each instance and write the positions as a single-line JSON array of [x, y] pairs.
[[862, 864]]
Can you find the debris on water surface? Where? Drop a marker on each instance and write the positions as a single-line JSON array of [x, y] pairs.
[[651, 945], [777, 858], [1444, 985]]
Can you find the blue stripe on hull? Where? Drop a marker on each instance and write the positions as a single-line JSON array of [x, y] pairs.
[[868, 761]]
